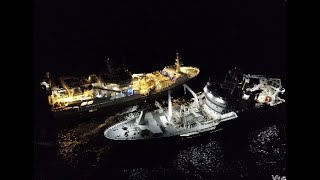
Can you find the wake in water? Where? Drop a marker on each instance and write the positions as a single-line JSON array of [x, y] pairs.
[[86, 140], [71, 142]]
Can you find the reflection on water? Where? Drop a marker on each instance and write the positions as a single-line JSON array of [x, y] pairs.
[[86, 141], [81, 141], [268, 150]]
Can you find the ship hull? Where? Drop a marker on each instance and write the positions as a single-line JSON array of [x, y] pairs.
[[103, 106], [188, 133], [242, 123]]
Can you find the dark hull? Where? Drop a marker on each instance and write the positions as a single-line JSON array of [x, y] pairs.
[[103, 106]]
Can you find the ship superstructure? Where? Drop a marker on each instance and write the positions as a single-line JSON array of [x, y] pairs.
[[217, 103], [71, 95]]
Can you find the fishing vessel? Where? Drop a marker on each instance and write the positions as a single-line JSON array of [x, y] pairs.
[[116, 87], [219, 102]]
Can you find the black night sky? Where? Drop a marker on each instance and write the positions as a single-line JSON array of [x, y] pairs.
[[74, 37]]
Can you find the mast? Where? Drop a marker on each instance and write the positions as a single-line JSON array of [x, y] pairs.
[[108, 63], [139, 118], [193, 94], [178, 63]]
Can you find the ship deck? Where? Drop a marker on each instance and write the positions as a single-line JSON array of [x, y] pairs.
[[153, 125]]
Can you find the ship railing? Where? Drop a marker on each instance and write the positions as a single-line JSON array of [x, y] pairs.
[[253, 76], [197, 128]]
